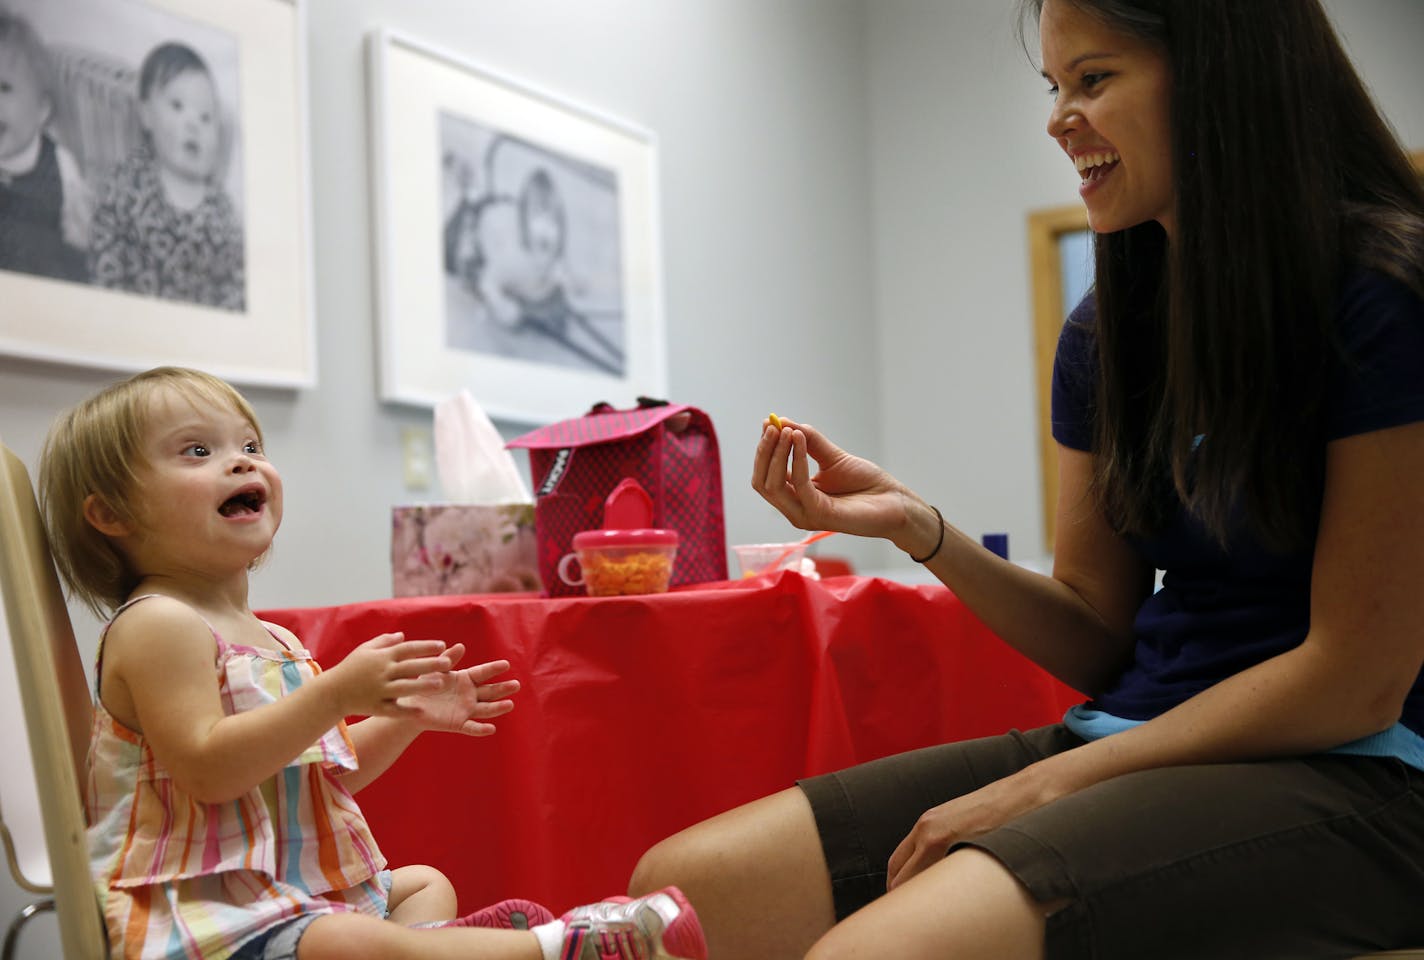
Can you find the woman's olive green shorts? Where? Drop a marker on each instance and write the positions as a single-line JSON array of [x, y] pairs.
[[1281, 860]]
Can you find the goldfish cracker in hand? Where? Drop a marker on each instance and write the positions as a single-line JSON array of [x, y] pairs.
[[774, 420]]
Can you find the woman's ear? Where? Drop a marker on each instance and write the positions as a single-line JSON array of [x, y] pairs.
[[102, 517]]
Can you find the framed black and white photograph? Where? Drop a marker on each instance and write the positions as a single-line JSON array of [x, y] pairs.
[[153, 186], [517, 245]]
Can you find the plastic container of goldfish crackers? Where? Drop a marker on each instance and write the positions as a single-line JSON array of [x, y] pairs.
[[614, 563], [627, 555]]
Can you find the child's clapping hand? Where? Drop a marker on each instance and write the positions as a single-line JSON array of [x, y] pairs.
[[465, 700], [374, 678]]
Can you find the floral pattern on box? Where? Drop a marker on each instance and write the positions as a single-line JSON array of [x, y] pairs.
[[463, 548]]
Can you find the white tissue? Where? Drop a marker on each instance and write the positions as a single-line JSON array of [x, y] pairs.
[[470, 457]]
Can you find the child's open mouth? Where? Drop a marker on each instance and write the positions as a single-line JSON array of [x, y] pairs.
[[243, 504]]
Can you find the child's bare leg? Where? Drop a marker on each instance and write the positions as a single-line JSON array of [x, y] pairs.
[[353, 936], [420, 894]]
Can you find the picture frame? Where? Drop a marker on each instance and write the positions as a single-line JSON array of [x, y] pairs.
[[517, 241], [209, 267]]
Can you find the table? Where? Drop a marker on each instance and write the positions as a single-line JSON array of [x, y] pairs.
[[642, 715]]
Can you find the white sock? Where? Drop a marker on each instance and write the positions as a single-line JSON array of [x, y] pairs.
[[551, 938]]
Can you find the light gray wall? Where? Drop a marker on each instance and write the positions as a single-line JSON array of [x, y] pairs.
[[844, 190], [958, 156]]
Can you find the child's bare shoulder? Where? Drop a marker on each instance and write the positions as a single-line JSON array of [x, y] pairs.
[[292, 641], [158, 622], [151, 649]]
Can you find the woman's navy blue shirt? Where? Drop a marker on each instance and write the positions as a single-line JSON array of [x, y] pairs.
[[1222, 610]]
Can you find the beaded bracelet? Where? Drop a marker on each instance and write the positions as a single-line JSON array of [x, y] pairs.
[[930, 556]]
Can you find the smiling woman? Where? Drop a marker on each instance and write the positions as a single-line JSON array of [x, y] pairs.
[[1111, 115], [1236, 402]]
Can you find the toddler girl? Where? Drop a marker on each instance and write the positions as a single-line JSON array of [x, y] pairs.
[[221, 771], [165, 227]]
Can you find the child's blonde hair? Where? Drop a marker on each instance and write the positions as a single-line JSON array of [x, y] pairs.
[[97, 449]]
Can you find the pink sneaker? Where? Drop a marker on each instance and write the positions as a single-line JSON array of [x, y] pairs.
[[660, 926], [506, 915]]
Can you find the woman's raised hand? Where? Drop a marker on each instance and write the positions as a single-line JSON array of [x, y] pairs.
[[848, 494]]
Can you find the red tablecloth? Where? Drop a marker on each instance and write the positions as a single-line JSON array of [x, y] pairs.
[[642, 715]]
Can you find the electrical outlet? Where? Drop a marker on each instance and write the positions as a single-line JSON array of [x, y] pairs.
[[417, 454]]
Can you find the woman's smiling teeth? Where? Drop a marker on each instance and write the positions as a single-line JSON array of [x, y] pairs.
[[1093, 165]]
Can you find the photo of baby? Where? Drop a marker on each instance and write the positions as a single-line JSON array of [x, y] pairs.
[[532, 251], [45, 205], [120, 160]]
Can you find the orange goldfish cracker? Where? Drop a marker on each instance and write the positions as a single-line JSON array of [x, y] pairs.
[[631, 573], [775, 420]]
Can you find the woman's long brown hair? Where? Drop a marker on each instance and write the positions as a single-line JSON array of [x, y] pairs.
[[1213, 349]]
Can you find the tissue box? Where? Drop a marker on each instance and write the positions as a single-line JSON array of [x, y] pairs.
[[463, 548]]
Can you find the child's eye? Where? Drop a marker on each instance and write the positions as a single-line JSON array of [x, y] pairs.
[[252, 446], [1053, 90], [195, 450], [1091, 80]]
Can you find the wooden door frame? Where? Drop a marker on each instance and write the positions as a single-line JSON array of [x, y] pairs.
[[1045, 228]]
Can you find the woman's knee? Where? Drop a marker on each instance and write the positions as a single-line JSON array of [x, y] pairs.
[[748, 840], [967, 906], [732, 866], [666, 862]]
